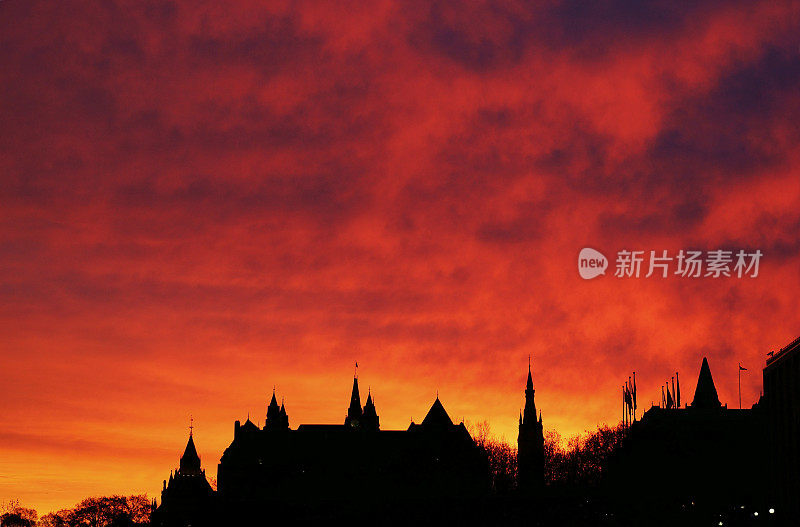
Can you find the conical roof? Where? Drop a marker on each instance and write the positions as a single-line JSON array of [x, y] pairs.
[[354, 411], [437, 415], [369, 407], [190, 461], [705, 395], [273, 411], [529, 414], [355, 398]]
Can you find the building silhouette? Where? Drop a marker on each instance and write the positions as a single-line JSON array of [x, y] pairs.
[[699, 459], [782, 401], [337, 461], [530, 442], [333, 469], [186, 498], [704, 453]]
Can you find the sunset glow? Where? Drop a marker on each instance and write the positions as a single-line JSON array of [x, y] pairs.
[[200, 201]]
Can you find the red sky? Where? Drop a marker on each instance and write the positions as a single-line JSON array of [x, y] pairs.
[[201, 200]]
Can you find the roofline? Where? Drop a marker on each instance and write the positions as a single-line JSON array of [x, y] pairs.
[[793, 345]]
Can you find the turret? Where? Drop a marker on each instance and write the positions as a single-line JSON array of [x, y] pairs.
[[190, 461], [284, 417], [186, 496], [276, 416], [369, 418], [353, 419]]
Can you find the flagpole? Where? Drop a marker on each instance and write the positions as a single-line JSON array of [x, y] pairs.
[[739, 371], [674, 399]]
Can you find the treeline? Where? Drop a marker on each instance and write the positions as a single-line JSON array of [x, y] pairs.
[[106, 511], [584, 460], [580, 461]]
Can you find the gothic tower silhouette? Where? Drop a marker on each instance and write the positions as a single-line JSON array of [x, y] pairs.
[[530, 442], [369, 418], [354, 412], [186, 498], [277, 419]]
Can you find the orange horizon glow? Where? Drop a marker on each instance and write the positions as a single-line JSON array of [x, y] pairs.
[[199, 202]]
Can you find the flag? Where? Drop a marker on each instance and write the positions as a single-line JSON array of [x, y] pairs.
[[669, 398], [742, 368]]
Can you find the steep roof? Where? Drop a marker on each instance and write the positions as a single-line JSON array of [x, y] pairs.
[[190, 461], [369, 407], [273, 412], [437, 415], [355, 398], [705, 395], [249, 426]]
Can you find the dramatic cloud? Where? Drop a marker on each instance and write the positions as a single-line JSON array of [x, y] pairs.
[[199, 201]]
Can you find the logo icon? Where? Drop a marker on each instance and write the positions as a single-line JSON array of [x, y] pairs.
[[591, 263]]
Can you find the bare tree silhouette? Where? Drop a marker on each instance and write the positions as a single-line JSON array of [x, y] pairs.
[[584, 460], [106, 511], [501, 457]]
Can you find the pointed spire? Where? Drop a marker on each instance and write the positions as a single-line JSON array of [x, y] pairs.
[[273, 410], [369, 418], [529, 385], [705, 395], [529, 414], [354, 410], [355, 397], [284, 417], [190, 461], [276, 415]]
